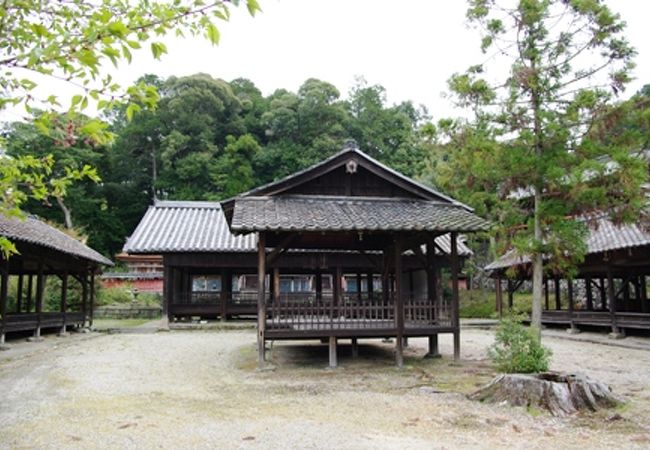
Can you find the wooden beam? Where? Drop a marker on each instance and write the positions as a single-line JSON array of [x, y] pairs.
[[399, 305], [280, 248], [261, 300], [454, 294]]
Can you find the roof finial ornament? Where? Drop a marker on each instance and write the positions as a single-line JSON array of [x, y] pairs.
[[350, 144]]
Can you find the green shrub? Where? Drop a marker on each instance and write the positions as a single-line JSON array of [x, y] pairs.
[[517, 350], [477, 304], [113, 295]]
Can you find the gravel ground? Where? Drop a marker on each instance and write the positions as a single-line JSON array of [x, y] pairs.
[[200, 389]]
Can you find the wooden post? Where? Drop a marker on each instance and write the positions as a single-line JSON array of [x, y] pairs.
[[261, 300], [4, 293], [359, 287], [30, 293], [223, 296], [19, 294], [454, 294], [590, 294], [371, 287], [603, 295], [333, 356], [572, 327], [40, 289], [64, 302], [355, 348], [167, 290], [91, 300], [276, 286], [626, 293], [432, 296], [319, 286], [499, 295], [644, 294], [558, 302], [399, 305], [511, 292], [84, 298], [611, 300]]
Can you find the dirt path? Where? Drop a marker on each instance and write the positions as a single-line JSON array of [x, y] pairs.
[[200, 390]]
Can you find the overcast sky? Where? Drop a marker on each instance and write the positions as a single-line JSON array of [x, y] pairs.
[[410, 47]]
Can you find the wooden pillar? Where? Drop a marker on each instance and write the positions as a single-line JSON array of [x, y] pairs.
[[571, 305], [30, 293], [454, 294], [399, 305], [64, 302], [626, 293], [261, 300], [224, 295], [589, 293], [167, 291], [371, 287], [332, 349], [358, 287], [558, 301], [511, 293], [4, 294], [432, 296], [644, 294], [84, 298], [603, 295], [40, 289], [611, 300], [91, 300], [355, 348], [319, 286], [499, 296], [276, 286], [546, 294], [19, 294]]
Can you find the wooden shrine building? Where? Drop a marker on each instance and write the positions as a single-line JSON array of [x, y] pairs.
[[347, 248], [45, 252], [610, 289]]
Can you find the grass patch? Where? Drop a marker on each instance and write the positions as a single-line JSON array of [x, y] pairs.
[[107, 324], [477, 304]]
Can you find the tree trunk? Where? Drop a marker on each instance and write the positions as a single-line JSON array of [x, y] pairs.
[[67, 213], [559, 393], [538, 273]]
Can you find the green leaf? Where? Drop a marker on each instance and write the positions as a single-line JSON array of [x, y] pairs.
[[132, 109], [212, 33], [158, 49]]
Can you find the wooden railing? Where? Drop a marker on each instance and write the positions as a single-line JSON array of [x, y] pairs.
[[309, 313]]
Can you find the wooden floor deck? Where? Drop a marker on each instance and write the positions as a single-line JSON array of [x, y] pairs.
[[31, 321], [597, 318]]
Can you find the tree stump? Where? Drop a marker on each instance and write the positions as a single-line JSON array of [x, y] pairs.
[[559, 393]]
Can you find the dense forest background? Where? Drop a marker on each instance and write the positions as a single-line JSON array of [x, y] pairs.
[[209, 139]]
